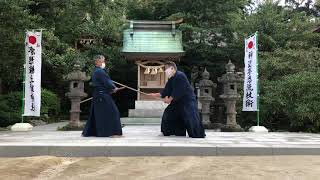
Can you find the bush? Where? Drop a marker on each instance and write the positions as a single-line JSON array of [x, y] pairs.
[[50, 103], [8, 115], [11, 104], [292, 103]]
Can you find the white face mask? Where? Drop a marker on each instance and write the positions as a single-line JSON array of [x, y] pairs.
[[103, 65], [169, 72]]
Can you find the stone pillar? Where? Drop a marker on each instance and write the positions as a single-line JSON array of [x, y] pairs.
[[205, 97], [75, 111], [76, 93], [230, 95], [205, 109]]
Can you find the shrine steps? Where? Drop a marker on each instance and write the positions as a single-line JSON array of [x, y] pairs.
[[145, 113], [140, 121]]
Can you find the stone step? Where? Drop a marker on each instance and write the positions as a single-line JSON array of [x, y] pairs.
[[146, 113], [148, 141], [140, 121], [150, 105]]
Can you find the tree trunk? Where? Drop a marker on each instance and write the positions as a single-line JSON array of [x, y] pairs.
[[0, 86]]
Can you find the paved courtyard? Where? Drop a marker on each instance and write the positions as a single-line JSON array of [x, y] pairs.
[[147, 141]]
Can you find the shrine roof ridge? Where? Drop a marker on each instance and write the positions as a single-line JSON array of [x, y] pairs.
[[157, 25], [179, 21]]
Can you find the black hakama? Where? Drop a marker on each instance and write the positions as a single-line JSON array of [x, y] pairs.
[[104, 119], [181, 114]]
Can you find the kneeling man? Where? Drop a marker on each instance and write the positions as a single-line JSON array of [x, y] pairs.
[[182, 112]]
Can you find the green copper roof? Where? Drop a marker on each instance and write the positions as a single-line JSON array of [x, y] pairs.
[[152, 41], [152, 37]]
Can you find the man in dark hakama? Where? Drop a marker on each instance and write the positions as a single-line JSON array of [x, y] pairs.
[[181, 114], [104, 119]]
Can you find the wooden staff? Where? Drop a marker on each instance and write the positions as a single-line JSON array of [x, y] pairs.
[[131, 88], [86, 100], [92, 97], [135, 90], [123, 87]]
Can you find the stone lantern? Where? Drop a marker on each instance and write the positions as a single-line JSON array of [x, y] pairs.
[[230, 95], [207, 87], [76, 93]]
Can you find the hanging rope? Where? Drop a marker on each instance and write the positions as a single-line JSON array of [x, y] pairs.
[[153, 70]]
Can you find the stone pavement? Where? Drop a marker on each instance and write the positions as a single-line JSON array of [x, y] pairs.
[[147, 141]]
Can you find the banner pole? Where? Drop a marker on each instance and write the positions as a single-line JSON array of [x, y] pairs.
[[258, 128], [23, 89], [23, 84], [258, 94]]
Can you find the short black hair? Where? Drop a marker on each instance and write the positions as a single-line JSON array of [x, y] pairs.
[[170, 64]]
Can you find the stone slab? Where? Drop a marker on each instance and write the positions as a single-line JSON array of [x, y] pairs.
[[147, 141], [146, 113], [244, 151], [150, 105], [20, 150], [141, 121]]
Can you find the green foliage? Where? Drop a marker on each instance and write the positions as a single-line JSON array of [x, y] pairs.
[[205, 26], [50, 103], [65, 22], [305, 6], [11, 104], [289, 66], [9, 112], [15, 19], [277, 27], [283, 62], [292, 102], [213, 34]]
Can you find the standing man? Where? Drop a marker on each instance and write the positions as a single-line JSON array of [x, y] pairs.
[[182, 112], [104, 120]]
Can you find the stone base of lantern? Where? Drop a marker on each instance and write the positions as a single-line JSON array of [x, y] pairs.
[[75, 124], [258, 129], [232, 128], [21, 127], [214, 126], [206, 119]]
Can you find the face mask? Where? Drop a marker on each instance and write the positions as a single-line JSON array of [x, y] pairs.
[[169, 72], [103, 65]]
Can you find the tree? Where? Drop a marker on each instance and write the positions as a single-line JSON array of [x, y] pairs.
[[207, 34], [15, 20], [213, 34], [311, 7], [65, 22], [289, 64]]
